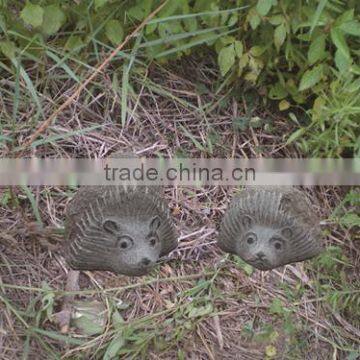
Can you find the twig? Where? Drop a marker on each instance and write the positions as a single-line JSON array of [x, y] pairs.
[[82, 86]]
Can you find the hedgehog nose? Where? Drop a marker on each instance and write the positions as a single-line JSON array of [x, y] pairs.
[[145, 261], [260, 255]]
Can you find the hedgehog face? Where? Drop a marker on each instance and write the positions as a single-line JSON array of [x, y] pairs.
[[270, 227], [134, 245], [263, 247]]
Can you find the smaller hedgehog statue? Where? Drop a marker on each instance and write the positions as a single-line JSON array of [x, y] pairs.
[[270, 226], [117, 228]]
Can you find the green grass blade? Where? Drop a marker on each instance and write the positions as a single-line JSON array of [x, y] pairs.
[[59, 337], [34, 206], [317, 15], [181, 36], [194, 43], [125, 80], [204, 13], [192, 138], [54, 138]]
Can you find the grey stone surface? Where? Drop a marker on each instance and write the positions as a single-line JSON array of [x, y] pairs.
[[271, 226], [116, 228]]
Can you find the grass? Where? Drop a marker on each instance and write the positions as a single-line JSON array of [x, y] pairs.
[[198, 302]]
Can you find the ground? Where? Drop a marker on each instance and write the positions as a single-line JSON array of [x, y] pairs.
[[199, 303]]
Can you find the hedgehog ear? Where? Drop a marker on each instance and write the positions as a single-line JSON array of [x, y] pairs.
[[246, 221], [285, 203], [286, 232], [110, 226], [155, 224]]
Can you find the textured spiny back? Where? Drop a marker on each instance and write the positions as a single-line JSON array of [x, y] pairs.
[[270, 226], [124, 229]]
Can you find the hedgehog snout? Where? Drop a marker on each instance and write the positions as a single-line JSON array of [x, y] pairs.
[[260, 255], [146, 262]]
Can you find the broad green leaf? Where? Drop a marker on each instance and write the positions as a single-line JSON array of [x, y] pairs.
[[276, 19], [342, 62], [114, 31], [350, 220], [311, 77], [254, 19], [318, 107], [344, 18], [87, 325], [283, 105], [32, 14], [355, 69], [90, 317], [137, 12], [257, 50], [256, 64], [169, 9], [296, 134], [74, 42], [242, 123], [277, 92], [351, 28], [168, 29], [317, 49], [141, 10], [353, 87], [201, 311], [114, 347], [117, 320], [100, 3], [244, 60], [232, 20], [226, 59], [226, 40], [149, 29], [279, 35], [190, 24], [263, 6], [238, 48], [338, 38], [251, 76], [53, 19], [8, 49]]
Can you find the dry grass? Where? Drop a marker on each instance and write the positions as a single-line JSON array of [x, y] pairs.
[[199, 303]]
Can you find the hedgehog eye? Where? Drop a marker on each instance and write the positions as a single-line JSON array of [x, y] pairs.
[[153, 241], [125, 242], [278, 243], [251, 239]]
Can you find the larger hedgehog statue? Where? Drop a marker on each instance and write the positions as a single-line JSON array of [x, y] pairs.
[[270, 226], [123, 229]]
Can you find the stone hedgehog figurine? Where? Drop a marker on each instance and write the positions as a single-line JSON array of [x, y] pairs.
[[270, 227], [123, 229]]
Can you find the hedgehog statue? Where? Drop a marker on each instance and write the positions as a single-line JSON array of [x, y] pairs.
[[270, 227], [123, 229]]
